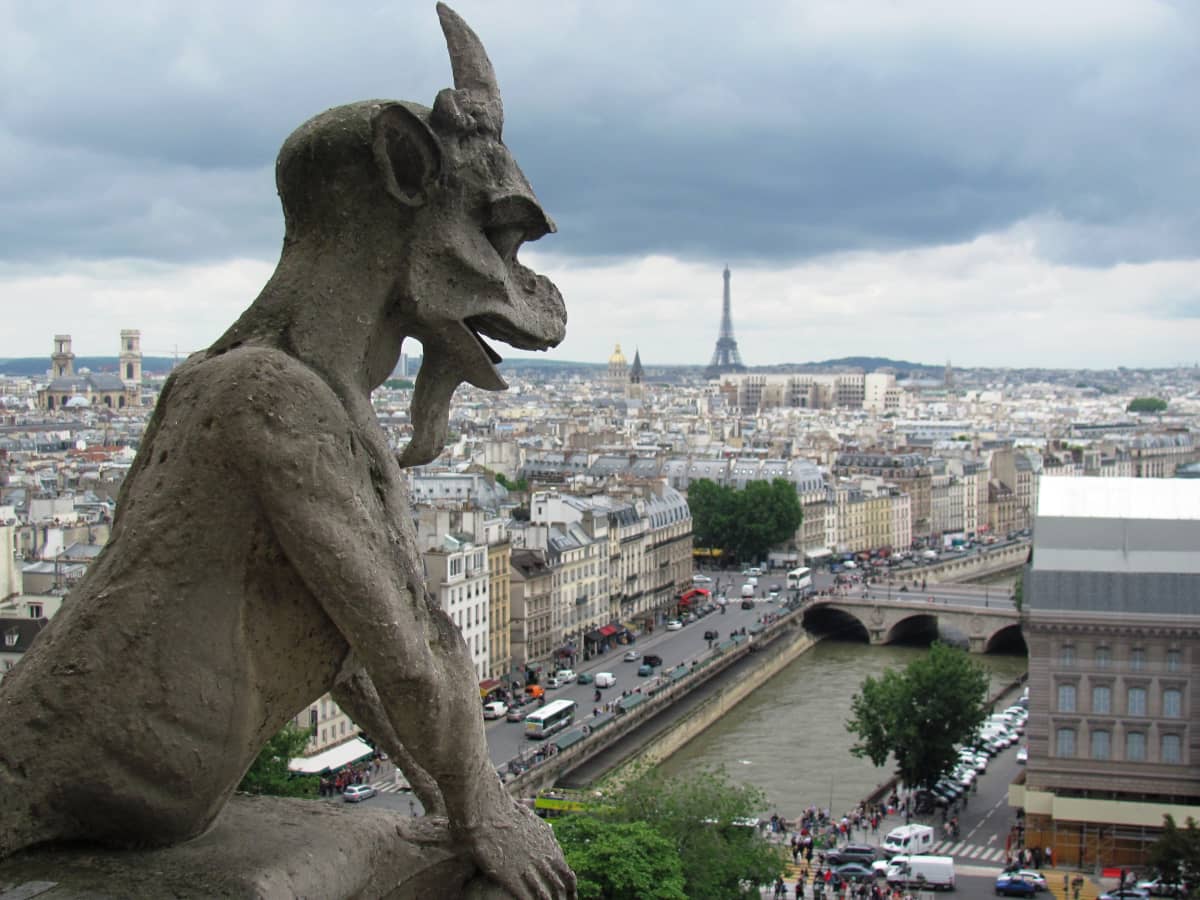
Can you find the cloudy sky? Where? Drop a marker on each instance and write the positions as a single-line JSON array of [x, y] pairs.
[[1010, 183]]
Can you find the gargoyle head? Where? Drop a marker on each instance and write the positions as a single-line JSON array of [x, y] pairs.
[[418, 214]]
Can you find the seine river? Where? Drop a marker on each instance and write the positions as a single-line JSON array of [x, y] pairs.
[[789, 737]]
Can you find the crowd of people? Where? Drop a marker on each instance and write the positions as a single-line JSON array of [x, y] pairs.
[[333, 783]]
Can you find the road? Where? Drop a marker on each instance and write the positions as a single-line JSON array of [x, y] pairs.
[[506, 740]]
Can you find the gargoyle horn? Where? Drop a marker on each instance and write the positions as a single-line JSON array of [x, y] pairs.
[[473, 72]]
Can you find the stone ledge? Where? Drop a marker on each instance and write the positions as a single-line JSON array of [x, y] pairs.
[[265, 847]]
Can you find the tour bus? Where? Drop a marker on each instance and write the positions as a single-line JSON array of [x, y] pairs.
[[800, 580], [550, 718]]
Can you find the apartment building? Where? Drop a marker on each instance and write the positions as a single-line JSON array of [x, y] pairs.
[[1113, 630]]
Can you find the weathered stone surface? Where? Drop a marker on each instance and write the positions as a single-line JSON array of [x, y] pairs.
[[262, 552], [265, 847]]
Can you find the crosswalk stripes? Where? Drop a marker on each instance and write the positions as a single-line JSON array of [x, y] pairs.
[[961, 849], [388, 787]]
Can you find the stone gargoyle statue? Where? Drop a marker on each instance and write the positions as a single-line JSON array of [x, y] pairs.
[[262, 552]]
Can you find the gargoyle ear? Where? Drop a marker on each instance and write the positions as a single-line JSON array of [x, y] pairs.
[[408, 154]]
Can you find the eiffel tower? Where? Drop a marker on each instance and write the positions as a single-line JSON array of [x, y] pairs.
[[725, 357]]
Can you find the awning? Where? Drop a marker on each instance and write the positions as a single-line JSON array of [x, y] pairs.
[[594, 636], [609, 630], [627, 703], [486, 687], [333, 758], [818, 553]]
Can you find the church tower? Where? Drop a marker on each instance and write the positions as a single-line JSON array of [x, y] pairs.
[[131, 357], [634, 389], [62, 361], [131, 365]]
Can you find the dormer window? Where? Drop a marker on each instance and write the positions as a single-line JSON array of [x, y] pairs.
[[11, 637]]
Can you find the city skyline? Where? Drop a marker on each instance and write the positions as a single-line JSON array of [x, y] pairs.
[[998, 186]]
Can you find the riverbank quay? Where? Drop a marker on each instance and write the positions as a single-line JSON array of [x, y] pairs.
[[579, 756]]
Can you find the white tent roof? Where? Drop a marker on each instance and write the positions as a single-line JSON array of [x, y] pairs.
[[333, 758]]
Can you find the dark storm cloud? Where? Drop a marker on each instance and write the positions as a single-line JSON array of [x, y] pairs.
[[695, 131]]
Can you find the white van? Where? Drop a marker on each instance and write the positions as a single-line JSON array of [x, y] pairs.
[[747, 590], [909, 840], [605, 679], [931, 871]]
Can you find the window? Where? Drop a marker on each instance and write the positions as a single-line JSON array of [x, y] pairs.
[[1066, 698], [1172, 707], [1174, 660], [1135, 746], [1172, 748], [35, 610], [1101, 744], [1066, 742], [1066, 655], [1136, 705], [1103, 657], [312, 716], [1102, 699], [1137, 659]]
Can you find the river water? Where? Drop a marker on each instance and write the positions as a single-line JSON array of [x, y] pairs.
[[789, 737]]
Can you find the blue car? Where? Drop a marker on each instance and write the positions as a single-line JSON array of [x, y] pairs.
[[1014, 884]]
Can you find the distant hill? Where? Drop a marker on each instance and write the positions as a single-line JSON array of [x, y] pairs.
[[38, 366]]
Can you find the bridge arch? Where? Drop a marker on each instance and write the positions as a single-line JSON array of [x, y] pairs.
[[828, 621], [918, 628], [1007, 639]]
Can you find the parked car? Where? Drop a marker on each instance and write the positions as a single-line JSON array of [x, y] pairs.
[[1157, 887], [1038, 879], [495, 710], [853, 872], [857, 853], [712, 634], [356, 793], [674, 625], [631, 656], [1023, 756], [565, 676], [652, 659], [552, 682], [1014, 884], [701, 579]]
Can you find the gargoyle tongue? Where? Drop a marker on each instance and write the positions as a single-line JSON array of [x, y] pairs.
[[430, 411], [442, 371]]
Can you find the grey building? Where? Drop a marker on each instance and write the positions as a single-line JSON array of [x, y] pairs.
[[1112, 621]]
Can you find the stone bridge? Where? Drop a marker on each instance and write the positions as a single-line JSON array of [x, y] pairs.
[[882, 621]]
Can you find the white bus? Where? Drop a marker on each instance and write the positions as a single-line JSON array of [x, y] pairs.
[[800, 580], [549, 719]]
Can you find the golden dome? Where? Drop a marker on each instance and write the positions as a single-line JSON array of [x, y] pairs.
[[618, 358]]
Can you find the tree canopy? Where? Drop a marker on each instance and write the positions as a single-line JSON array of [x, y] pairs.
[[269, 774], [919, 714], [702, 819], [1146, 405], [745, 523], [620, 860], [1175, 856]]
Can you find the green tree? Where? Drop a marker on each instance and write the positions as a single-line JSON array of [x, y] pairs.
[[398, 384], [703, 818], [269, 774], [745, 523], [519, 485], [1175, 856], [620, 860], [1146, 405], [918, 715]]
